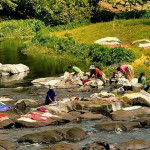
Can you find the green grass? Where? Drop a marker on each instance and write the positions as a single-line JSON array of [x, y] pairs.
[[126, 30]]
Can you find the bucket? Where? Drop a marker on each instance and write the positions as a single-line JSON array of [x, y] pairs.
[[137, 87]]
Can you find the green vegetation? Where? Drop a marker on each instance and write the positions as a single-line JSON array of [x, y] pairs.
[[55, 12], [20, 28]]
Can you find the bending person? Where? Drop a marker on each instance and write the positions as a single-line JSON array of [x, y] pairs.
[[97, 73], [127, 71], [77, 71], [142, 80], [51, 96]]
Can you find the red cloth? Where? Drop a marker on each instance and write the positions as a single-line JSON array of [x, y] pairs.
[[41, 109], [84, 81], [36, 116]]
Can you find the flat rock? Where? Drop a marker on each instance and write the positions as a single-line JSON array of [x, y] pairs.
[[61, 146], [54, 136], [7, 145], [141, 98], [135, 144], [130, 114], [113, 125], [91, 116]]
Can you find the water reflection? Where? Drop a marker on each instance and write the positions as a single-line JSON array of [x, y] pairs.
[[13, 78]]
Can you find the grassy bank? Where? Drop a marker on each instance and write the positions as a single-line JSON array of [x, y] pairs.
[[75, 42]]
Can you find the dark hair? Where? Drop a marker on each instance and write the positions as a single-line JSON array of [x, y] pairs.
[[140, 77], [118, 69], [70, 66]]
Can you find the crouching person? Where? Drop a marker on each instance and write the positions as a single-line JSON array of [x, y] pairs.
[[51, 96]]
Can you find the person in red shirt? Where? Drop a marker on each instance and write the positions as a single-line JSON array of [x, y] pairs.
[[97, 73]]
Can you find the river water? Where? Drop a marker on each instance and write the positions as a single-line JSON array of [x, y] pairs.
[[10, 52]]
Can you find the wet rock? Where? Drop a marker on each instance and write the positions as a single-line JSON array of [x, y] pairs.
[[68, 117], [10, 69], [141, 98], [112, 126], [23, 104], [145, 121], [7, 145], [34, 124], [61, 146], [130, 114], [75, 134], [54, 136], [99, 145], [6, 123], [91, 116], [51, 136], [135, 144]]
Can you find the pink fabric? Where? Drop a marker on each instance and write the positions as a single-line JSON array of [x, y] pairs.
[[124, 68], [41, 109]]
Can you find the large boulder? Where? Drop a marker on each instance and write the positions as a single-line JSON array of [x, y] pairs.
[[23, 104], [130, 114], [135, 144], [54, 136], [7, 145], [61, 146], [141, 98], [10, 69], [114, 125]]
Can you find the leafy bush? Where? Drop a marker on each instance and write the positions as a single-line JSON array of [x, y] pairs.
[[13, 28], [82, 51]]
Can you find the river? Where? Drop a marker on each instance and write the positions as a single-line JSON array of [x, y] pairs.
[[10, 53]]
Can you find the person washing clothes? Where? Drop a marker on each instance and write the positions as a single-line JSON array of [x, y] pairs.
[[97, 73], [77, 71], [51, 96], [142, 80], [127, 71]]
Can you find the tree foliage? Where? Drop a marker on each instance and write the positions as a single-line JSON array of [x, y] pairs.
[[53, 12]]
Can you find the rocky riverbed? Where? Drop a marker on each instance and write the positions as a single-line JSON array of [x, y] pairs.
[[95, 120]]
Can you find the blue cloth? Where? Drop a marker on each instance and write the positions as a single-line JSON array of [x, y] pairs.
[[51, 95]]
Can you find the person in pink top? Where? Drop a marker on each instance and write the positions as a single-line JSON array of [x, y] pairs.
[[127, 71]]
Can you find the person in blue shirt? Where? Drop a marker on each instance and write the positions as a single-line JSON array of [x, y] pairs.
[[51, 96]]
